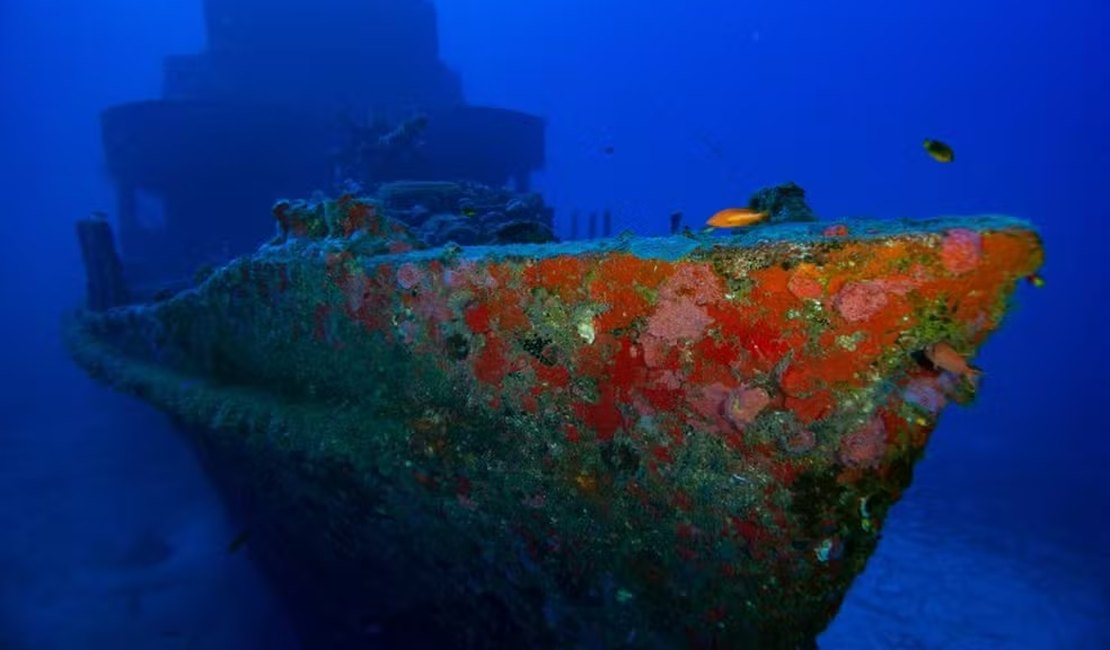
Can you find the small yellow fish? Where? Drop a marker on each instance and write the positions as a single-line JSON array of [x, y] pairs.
[[736, 218], [939, 151], [1035, 280]]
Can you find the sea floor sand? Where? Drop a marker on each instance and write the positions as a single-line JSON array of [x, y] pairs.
[[990, 548], [113, 538]]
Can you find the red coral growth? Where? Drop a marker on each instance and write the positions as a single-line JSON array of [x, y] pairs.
[[961, 250], [604, 416], [623, 271], [662, 454], [622, 307], [501, 276], [593, 360], [628, 368], [810, 409], [708, 370], [804, 285], [763, 342], [771, 280], [477, 318], [679, 318], [858, 301], [724, 352], [561, 276], [662, 399], [508, 313], [839, 366], [865, 447], [355, 215], [785, 473], [571, 433], [796, 380], [618, 283], [489, 364], [554, 376], [756, 538]]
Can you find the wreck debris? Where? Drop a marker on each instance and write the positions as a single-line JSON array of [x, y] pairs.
[[105, 287]]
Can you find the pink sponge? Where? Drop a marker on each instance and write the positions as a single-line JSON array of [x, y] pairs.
[[858, 301], [960, 251], [865, 447], [676, 319]]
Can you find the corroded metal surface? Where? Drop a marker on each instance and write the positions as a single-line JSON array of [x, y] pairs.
[[652, 442]]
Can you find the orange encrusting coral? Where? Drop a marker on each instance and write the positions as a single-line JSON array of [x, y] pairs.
[[619, 283], [562, 276]]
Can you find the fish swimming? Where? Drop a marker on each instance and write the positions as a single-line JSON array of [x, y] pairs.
[[944, 357], [736, 218], [939, 151]]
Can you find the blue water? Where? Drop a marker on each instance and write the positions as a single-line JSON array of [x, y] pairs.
[[111, 536]]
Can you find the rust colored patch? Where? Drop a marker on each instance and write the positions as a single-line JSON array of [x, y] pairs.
[[813, 408], [477, 318], [506, 309], [628, 368], [804, 285], [571, 433], [554, 376], [603, 416], [490, 366], [562, 276]]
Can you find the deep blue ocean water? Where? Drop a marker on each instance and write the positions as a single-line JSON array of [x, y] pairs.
[[111, 537]]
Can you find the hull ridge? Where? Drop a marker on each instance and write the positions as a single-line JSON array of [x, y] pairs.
[[673, 442]]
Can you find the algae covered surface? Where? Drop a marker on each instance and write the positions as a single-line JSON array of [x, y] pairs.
[[654, 442]]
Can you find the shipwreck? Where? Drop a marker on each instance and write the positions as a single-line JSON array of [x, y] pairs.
[[684, 441], [447, 429]]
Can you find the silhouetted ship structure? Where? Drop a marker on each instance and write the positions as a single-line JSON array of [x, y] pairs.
[[284, 94]]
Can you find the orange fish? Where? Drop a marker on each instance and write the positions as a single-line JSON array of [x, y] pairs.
[[736, 218], [945, 357]]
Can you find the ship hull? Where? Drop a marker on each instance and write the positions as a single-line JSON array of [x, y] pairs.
[[675, 442]]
